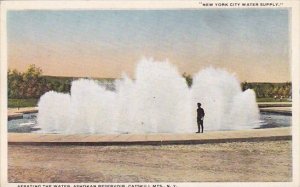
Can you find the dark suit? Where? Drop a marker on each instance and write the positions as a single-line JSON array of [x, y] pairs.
[[200, 115]]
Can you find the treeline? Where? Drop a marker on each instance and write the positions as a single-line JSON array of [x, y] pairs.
[[32, 84], [262, 90], [270, 90]]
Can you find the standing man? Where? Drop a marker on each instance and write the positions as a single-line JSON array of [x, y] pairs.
[[200, 117]]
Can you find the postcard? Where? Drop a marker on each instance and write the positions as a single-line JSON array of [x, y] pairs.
[[149, 93]]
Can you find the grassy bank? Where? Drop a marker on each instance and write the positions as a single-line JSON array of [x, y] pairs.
[[269, 99], [18, 103]]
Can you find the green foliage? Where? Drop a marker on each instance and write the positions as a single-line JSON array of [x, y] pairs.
[[275, 91], [31, 84], [188, 78], [16, 103]]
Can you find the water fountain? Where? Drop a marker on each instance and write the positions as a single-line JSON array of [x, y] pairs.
[[157, 101]]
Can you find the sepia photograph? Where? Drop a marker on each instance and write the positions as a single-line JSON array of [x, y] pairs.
[[149, 95]]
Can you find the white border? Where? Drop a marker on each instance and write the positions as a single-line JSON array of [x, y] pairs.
[[110, 5]]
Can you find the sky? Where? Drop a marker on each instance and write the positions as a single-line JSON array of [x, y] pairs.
[[252, 43]]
